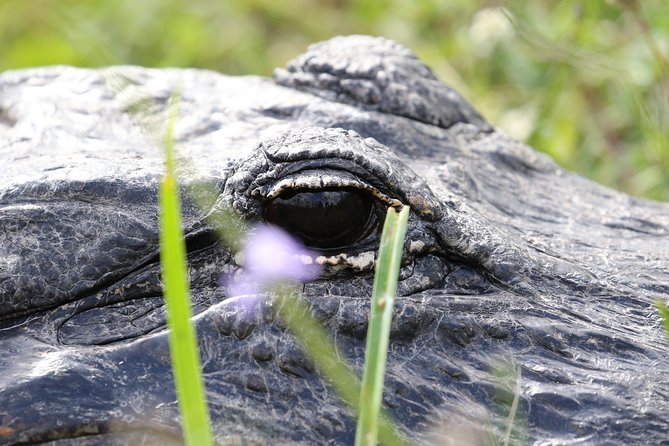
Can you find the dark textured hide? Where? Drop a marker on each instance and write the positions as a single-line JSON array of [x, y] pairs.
[[507, 255]]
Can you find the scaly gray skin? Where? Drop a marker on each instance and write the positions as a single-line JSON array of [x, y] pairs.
[[507, 255]]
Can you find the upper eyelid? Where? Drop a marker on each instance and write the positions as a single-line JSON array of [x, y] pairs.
[[290, 153], [315, 180]]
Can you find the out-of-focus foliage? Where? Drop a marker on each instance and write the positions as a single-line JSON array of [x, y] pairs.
[[585, 81]]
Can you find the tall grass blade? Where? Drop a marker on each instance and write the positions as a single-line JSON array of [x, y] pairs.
[[183, 346], [378, 333]]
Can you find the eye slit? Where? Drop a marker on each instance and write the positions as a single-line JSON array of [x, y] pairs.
[[323, 219]]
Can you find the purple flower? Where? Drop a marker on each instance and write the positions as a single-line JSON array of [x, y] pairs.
[[270, 256]]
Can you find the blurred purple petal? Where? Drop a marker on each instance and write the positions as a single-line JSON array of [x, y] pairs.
[[274, 255], [271, 255], [243, 285]]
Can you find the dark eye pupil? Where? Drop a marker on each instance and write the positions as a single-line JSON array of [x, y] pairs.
[[325, 219]]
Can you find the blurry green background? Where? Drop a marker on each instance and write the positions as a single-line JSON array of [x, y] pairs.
[[585, 81]]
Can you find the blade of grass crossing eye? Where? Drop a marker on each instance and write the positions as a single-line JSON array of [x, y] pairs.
[[664, 314], [380, 318], [183, 346], [321, 349]]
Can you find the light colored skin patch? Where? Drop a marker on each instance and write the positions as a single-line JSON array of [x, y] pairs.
[[359, 262], [416, 246], [239, 258], [306, 259], [362, 262]]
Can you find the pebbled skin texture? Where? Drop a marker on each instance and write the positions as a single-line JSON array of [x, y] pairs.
[[507, 255]]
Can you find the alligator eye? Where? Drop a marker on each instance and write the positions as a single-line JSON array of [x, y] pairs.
[[323, 219]]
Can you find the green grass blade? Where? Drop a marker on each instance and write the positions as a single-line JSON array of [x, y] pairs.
[[664, 314], [378, 333], [183, 346]]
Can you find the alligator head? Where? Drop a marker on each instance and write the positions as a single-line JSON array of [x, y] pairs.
[[506, 256]]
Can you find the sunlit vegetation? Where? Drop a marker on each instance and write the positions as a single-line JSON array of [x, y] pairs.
[[586, 82]]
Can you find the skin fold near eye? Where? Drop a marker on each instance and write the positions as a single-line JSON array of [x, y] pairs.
[[324, 219]]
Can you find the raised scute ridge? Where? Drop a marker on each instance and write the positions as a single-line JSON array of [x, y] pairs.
[[379, 74]]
